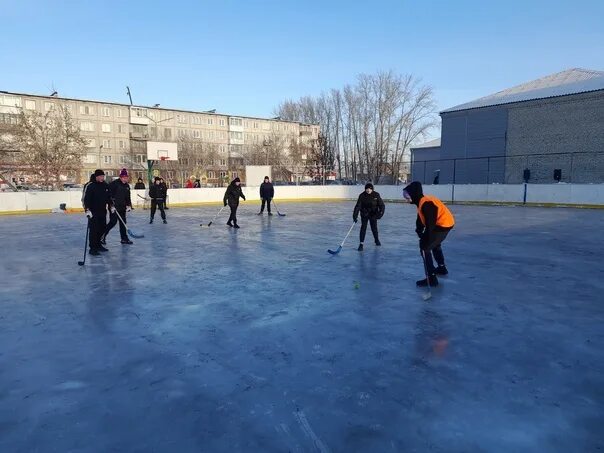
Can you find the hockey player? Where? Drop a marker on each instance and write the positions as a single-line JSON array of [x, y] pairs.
[[371, 207], [267, 192], [231, 197], [96, 201], [119, 191], [433, 223], [157, 193]]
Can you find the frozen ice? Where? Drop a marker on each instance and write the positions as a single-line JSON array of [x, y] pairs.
[[210, 339]]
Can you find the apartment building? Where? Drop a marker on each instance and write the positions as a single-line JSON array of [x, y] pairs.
[[117, 135]]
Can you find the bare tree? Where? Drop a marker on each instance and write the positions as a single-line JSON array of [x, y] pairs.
[[48, 145], [367, 128]]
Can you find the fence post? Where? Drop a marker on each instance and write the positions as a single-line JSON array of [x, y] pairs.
[[488, 168], [424, 178], [570, 176], [453, 185]]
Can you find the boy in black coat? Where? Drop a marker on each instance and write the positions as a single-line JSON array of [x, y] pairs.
[[157, 193], [119, 190], [96, 200], [231, 197], [267, 192], [372, 208]]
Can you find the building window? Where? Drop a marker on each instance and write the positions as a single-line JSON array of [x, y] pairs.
[[107, 144], [222, 122], [7, 118], [170, 174], [167, 133], [106, 111], [211, 175], [266, 126], [118, 113], [122, 144], [222, 149], [181, 133], [196, 134], [255, 125], [236, 135], [120, 129], [86, 110], [10, 101], [30, 105], [235, 122], [223, 174], [222, 162], [140, 158], [48, 106], [235, 175], [87, 126], [106, 127], [91, 159], [107, 159], [109, 172], [123, 160]]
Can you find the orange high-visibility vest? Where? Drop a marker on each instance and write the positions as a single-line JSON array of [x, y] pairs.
[[444, 218]]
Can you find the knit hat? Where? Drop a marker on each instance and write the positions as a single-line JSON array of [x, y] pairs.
[[266, 177], [124, 172], [368, 186], [99, 172], [157, 178], [236, 180]]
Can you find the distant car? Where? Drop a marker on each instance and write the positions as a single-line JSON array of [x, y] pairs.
[[331, 182]]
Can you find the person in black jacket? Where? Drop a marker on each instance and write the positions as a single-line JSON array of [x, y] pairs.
[[119, 190], [231, 197], [157, 193], [140, 185], [372, 208], [96, 200], [267, 192], [90, 181]]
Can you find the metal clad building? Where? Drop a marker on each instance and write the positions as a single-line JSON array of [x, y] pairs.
[[556, 122]]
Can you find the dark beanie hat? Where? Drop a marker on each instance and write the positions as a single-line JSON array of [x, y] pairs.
[[236, 180], [157, 178], [99, 172], [368, 186], [266, 177]]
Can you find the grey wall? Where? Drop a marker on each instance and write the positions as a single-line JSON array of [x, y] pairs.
[[424, 162], [559, 127]]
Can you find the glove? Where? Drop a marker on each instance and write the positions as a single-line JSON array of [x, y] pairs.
[[419, 232], [380, 215], [128, 208], [225, 203], [112, 209], [355, 219], [88, 214], [244, 199]]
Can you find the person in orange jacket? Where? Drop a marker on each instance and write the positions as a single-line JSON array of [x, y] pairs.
[[433, 223]]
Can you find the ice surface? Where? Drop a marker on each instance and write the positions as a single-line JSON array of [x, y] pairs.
[[197, 339]]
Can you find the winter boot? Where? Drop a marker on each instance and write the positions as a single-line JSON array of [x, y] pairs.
[[236, 226], [229, 223], [270, 213], [127, 241], [360, 249], [94, 252], [150, 221], [104, 239], [441, 270], [103, 249], [423, 283], [165, 221], [260, 213], [378, 243]]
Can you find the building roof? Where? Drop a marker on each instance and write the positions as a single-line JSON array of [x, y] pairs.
[[571, 81], [59, 98], [430, 144]]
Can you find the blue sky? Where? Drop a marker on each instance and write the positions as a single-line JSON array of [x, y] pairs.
[[244, 57]]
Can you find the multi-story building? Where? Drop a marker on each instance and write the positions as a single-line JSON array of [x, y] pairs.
[[212, 146]]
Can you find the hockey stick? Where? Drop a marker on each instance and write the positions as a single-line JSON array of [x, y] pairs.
[[130, 232], [81, 263], [428, 294], [280, 215], [335, 252], [215, 217]]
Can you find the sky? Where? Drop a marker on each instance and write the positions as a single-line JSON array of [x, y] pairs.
[[245, 57]]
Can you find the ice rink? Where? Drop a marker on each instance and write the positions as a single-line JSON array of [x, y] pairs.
[[211, 339]]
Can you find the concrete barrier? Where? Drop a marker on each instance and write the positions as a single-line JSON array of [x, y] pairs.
[[590, 195]]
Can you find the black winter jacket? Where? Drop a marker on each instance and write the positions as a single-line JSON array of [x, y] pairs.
[[120, 195], [369, 205], [158, 192], [232, 194], [267, 191], [97, 197]]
